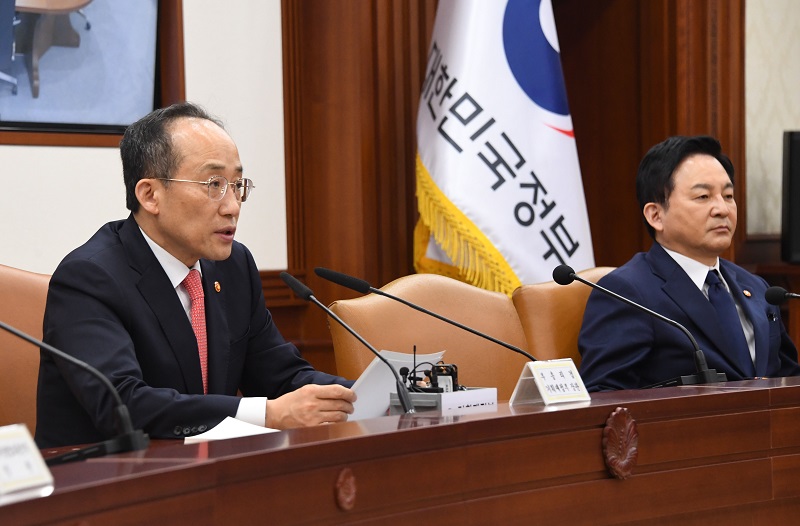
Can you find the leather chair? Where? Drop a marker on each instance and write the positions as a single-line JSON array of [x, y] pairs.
[[22, 299], [552, 314], [388, 324]]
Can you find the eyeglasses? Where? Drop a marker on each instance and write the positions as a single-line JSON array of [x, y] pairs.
[[218, 185]]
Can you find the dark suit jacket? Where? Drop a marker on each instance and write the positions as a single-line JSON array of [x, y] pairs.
[[624, 348], [111, 304]]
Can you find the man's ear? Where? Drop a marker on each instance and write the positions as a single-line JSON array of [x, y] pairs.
[[654, 215], [148, 194]]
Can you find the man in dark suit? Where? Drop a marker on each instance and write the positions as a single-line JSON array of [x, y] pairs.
[[685, 191], [170, 308]]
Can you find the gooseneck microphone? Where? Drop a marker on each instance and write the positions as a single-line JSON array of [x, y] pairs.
[[777, 295], [359, 285], [128, 439], [303, 292], [564, 275]]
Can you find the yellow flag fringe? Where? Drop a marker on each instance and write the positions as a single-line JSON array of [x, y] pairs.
[[476, 259]]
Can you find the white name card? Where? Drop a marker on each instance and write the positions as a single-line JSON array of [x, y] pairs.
[[550, 381], [23, 472], [477, 400]]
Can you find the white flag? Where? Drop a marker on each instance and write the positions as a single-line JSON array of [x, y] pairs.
[[498, 181]]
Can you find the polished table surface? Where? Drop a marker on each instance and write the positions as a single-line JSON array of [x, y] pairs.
[[725, 453]]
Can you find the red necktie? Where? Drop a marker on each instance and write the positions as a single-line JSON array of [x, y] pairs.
[[194, 286]]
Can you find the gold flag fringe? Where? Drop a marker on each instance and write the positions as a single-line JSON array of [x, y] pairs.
[[476, 259]]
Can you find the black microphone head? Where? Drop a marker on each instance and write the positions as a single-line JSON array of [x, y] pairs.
[[358, 285], [563, 275], [300, 290], [776, 295]]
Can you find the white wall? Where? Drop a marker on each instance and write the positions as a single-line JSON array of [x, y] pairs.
[[234, 67], [60, 195], [772, 104]]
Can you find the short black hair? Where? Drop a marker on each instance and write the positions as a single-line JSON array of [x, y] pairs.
[[146, 147], [655, 182]]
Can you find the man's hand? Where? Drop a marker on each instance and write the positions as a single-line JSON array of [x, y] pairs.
[[309, 406]]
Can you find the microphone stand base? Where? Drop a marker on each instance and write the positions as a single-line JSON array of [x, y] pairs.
[[707, 377], [420, 401], [133, 441]]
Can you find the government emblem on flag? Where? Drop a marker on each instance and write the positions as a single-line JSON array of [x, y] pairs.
[[499, 187]]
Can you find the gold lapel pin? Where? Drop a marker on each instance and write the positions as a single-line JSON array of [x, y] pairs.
[[218, 288], [745, 292]]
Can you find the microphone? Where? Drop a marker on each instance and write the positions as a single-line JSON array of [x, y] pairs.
[[777, 295], [303, 292], [564, 275], [359, 285], [128, 439]]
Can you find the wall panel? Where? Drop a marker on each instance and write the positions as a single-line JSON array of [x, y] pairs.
[[636, 72], [353, 71]]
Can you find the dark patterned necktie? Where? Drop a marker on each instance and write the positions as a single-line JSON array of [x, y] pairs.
[[730, 322]]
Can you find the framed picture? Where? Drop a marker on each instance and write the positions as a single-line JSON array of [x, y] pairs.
[[90, 70]]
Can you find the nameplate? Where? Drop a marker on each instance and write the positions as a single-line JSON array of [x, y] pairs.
[[23, 473], [551, 382]]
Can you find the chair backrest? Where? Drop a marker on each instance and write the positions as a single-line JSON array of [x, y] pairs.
[[388, 324], [22, 299], [551, 315]]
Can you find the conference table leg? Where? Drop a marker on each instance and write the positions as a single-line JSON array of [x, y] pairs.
[[36, 34]]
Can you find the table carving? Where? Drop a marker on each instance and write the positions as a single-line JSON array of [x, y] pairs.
[[620, 443], [346, 490]]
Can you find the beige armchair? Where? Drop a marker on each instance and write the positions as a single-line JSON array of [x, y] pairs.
[[388, 324], [551, 315], [22, 300]]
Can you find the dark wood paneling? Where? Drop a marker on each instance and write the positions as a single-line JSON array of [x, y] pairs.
[[600, 56], [636, 73], [171, 81], [352, 74]]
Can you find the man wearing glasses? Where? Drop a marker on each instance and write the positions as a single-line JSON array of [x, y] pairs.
[[170, 308]]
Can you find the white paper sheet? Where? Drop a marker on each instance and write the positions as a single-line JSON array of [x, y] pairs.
[[229, 428]]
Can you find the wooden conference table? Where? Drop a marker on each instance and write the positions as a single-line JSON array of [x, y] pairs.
[[726, 454]]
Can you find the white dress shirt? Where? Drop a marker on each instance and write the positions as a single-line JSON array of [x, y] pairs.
[[251, 409], [697, 273]]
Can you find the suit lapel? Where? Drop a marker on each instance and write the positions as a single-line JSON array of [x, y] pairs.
[[155, 287], [692, 302], [217, 328]]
